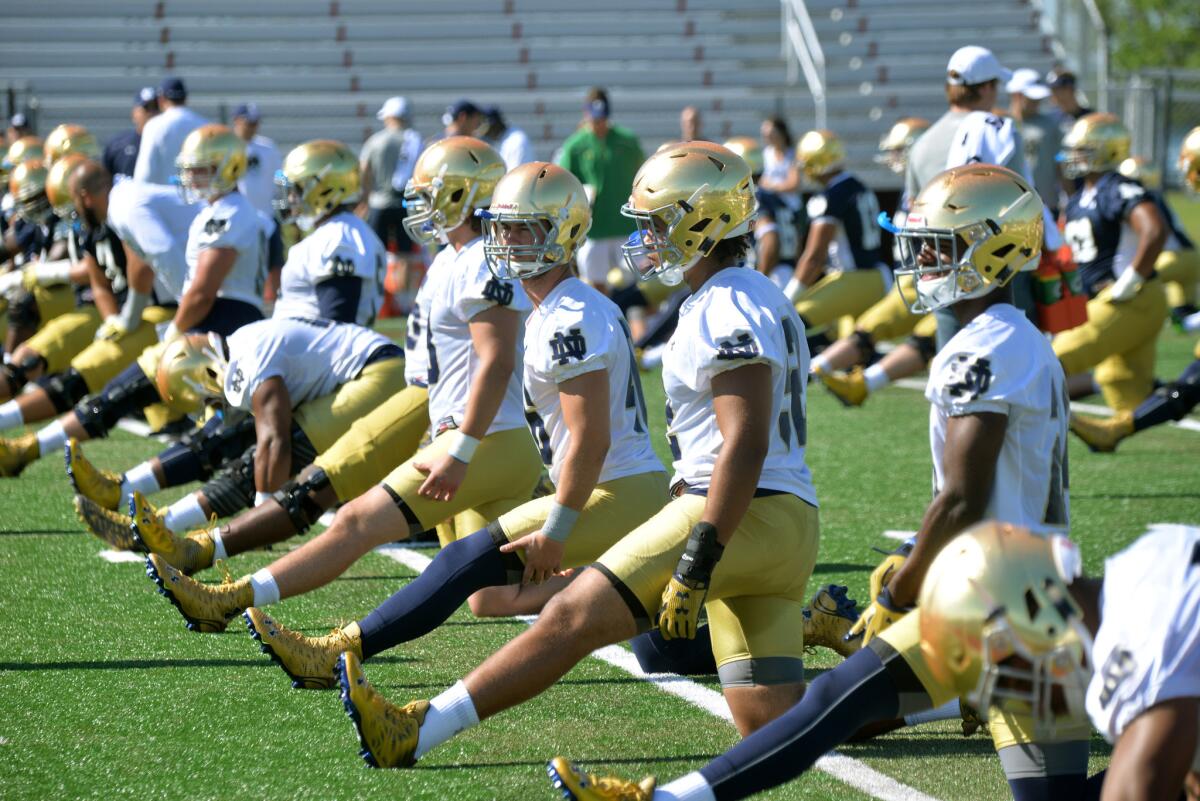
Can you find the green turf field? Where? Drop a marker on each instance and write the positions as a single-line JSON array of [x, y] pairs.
[[103, 693]]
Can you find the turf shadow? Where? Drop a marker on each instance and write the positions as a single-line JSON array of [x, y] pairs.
[[589, 761], [154, 664]]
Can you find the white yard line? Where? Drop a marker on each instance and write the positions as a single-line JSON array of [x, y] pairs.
[[850, 771], [894, 534], [119, 557]]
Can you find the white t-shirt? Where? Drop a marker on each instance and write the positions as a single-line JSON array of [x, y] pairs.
[[263, 160], [999, 362], [313, 357], [515, 148], [577, 330], [1147, 650], [459, 289], [737, 318], [154, 222], [162, 139], [231, 222], [342, 246]]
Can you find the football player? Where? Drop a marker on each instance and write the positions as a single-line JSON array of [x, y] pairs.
[[998, 434], [1116, 232], [67, 139], [585, 408], [841, 271], [482, 457], [739, 539], [778, 228], [222, 291]]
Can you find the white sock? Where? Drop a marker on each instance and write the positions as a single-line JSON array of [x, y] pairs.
[[876, 378], [218, 545], [947, 711], [266, 591], [691, 787], [819, 362], [185, 514], [1191, 323], [10, 415], [449, 713], [51, 438], [139, 479]]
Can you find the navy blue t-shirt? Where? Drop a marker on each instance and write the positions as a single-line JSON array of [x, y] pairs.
[[850, 204], [121, 152], [789, 223], [1094, 227]]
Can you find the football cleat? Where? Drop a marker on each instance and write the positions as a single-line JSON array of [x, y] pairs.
[[828, 618], [101, 487], [575, 785], [972, 721], [17, 453], [112, 527], [189, 554], [206, 608], [310, 661], [849, 388], [1102, 435], [387, 733]]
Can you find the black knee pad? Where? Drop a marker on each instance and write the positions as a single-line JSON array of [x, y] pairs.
[[23, 311], [219, 442], [17, 373], [926, 346], [65, 389], [232, 489], [296, 498], [866, 347], [99, 413]]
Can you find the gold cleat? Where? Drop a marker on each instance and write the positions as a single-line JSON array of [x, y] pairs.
[[849, 388], [17, 453], [101, 487], [387, 733], [828, 618], [113, 528], [206, 608], [972, 721], [1101, 435], [575, 785], [310, 661], [190, 553]]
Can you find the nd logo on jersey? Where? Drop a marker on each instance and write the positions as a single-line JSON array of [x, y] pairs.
[[968, 376], [571, 346], [216, 226], [744, 347], [498, 292]]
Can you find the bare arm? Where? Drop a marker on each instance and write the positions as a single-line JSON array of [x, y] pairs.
[[584, 402], [494, 337], [973, 444], [212, 266], [272, 407], [816, 253], [742, 403], [1154, 753]]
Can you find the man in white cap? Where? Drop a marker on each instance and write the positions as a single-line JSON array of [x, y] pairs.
[[1039, 131], [386, 161], [163, 135]]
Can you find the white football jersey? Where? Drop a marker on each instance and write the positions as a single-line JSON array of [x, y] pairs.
[[1147, 650], [313, 357], [737, 318], [154, 222], [999, 362], [343, 246], [461, 288], [233, 222], [577, 330], [416, 338]]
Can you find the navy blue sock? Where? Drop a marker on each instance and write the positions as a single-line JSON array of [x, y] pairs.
[[459, 569], [1049, 788], [684, 657], [837, 704]]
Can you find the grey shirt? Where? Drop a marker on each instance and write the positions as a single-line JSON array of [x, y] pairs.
[[1042, 138], [381, 154], [929, 153]]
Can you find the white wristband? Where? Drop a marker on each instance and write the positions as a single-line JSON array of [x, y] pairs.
[[559, 522], [463, 447], [52, 272], [794, 289]]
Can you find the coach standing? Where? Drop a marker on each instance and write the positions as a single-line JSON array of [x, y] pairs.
[[263, 159], [163, 136], [604, 158], [121, 152]]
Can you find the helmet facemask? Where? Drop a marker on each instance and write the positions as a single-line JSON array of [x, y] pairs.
[[34, 209], [894, 159], [426, 220], [1076, 162], [198, 183], [940, 263], [512, 255]]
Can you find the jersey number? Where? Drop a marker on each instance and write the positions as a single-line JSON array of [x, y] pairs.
[[792, 418], [634, 399], [868, 211], [1060, 482], [537, 427], [1082, 240]]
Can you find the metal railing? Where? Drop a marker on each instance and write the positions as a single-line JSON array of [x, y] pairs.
[[1079, 39], [802, 50]]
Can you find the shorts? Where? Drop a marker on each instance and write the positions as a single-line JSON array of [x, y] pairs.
[[597, 256], [60, 339], [100, 362], [325, 419], [838, 294], [758, 590], [889, 318]]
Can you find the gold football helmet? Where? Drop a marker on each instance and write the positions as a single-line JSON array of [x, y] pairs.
[[820, 153], [538, 218], [27, 183], [210, 163], [685, 200], [68, 138], [1189, 159], [1142, 171], [750, 149], [452, 178], [27, 148], [971, 229], [58, 184], [998, 624], [317, 177], [191, 372], [895, 144], [1097, 142]]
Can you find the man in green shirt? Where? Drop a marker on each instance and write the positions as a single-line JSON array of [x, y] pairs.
[[605, 158]]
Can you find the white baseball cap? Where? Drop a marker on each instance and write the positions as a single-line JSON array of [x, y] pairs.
[[1027, 82], [393, 107], [973, 64]]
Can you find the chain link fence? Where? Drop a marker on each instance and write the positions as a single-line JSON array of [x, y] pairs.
[[1160, 107]]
